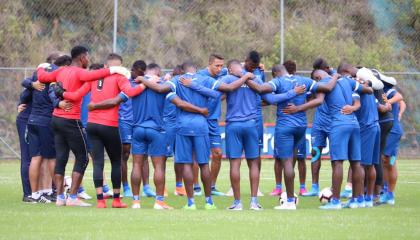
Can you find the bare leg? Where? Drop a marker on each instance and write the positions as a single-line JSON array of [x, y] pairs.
[[254, 175], [216, 163], [235, 177]]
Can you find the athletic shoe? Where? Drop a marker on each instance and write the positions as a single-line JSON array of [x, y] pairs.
[[161, 205], [361, 204], [216, 192], [368, 204], [255, 206], [127, 192], [346, 194], [61, 202], [180, 191], [28, 199], [108, 194], [198, 192], [136, 204], [230, 192], [209, 206], [76, 203], [286, 206], [84, 195], [41, 199], [312, 193], [386, 199], [116, 203], [235, 207], [351, 204], [276, 192], [192, 207], [148, 193], [302, 191], [331, 206], [101, 204], [259, 193]]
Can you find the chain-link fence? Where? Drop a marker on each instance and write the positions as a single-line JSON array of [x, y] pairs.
[[384, 34]]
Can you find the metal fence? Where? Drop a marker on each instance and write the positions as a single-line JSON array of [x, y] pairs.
[[383, 34]]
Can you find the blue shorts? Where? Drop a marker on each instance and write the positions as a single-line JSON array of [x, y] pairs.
[[260, 127], [286, 140], [170, 132], [345, 143], [148, 141], [242, 137], [41, 141], [214, 133], [370, 139], [301, 149], [392, 144], [126, 131], [188, 146], [319, 137]]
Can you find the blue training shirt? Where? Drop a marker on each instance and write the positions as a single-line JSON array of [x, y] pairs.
[[367, 115], [84, 113], [258, 73], [284, 84], [322, 119], [396, 127], [125, 111], [214, 104]]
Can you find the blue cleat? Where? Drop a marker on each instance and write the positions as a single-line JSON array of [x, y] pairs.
[[387, 198], [148, 192], [314, 192], [215, 192], [346, 194], [331, 206], [198, 192], [127, 192], [351, 204]]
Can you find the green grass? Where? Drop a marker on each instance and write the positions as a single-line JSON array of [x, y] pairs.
[[25, 221]]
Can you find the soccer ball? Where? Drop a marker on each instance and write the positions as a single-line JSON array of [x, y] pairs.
[[325, 196], [283, 198], [67, 184]]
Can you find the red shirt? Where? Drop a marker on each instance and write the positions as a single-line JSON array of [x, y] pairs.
[[72, 78], [101, 90]]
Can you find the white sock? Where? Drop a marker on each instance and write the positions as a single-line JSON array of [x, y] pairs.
[[36, 195], [47, 191]]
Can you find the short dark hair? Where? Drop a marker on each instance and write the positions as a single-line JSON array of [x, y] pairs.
[[254, 57], [64, 60], [52, 57], [290, 66], [78, 50], [188, 64], [114, 56], [152, 66], [313, 72], [95, 66], [140, 65], [320, 63], [233, 61], [343, 67], [276, 68], [177, 70], [214, 56]]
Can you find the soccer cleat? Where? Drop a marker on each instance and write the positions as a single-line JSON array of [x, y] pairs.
[[235, 207], [136, 204], [346, 194], [230, 192], [302, 191], [216, 192], [209, 206], [61, 202], [28, 199], [276, 192], [116, 203], [312, 193], [108, 194], [331, 206], [351, 204], [127, 192], [255, 206], [180, 191], [84, 195], [77, 203], [361, 204], [368, 204], [286, 206], [101, 204], [387, 199], [161, 205], [259, 193], [148, 192], [198, 192], [191, 207], [41, 199]]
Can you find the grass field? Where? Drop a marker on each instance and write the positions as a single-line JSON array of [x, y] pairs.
[[25, 221]]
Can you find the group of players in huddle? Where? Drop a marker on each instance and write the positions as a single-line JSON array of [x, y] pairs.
[[65, 107]]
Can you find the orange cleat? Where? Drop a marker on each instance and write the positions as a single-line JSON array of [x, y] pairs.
[[116, 203], [101, 204], [161, 205], [180, 191]]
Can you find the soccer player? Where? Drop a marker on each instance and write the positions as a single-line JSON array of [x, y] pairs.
[[215, 70], [102, 127], [290, 126], [392, 143], [66, 125]]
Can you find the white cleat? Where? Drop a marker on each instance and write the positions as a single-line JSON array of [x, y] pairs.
[[136, 205], [235, 207], [255, 206], [84, 195], [230, 192], [259, 193], [286, 206]]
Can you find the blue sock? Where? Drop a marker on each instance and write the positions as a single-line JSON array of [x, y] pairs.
[[190, 201], [209, 200], [335, 201], [290, 199], [385, 189], [73, 196], [278, 186], [302, 186], [390, 194], [368, 198], [178, 184], [105, 188], [254, 200], [160, 198], [315, 186], [237, 201], [360, 198], [80, 190], [146, 187], [125, 185], [136, 197], [61, 196], [213, 187], [197, 187]]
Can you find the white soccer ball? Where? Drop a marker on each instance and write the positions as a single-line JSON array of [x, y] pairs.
[[67, 183], [283, 198], [325, 195]]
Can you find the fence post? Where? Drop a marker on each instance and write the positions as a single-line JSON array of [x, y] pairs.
[[281, 31], [114, 40]]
